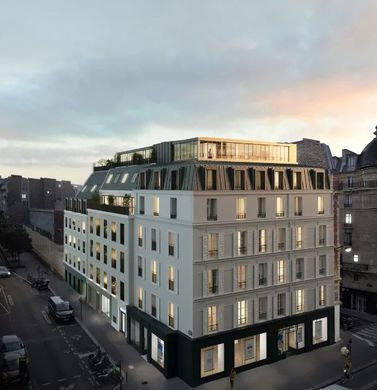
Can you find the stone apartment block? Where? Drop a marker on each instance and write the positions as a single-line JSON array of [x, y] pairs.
[[207, 253]]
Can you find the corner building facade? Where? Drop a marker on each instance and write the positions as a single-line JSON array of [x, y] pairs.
[[208, 253]]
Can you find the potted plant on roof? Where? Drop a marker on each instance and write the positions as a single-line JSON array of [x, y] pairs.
[[110, 200], [127, 200]]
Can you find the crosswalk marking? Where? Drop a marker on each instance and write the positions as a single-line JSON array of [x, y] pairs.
[[368, 334]]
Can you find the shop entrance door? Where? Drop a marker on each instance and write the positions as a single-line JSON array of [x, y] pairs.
[[145, 341], [290, 339], [123, 322]]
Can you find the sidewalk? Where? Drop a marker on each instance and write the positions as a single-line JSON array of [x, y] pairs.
[[358, 314], [311, 370]]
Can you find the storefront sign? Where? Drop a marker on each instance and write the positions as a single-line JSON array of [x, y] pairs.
[[208, 360], [249, 349]]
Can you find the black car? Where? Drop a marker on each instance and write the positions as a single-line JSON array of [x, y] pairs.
[[60, 310]]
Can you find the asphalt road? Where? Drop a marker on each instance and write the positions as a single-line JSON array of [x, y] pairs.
[[57, 353]]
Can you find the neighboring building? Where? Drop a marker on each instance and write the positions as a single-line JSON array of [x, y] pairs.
[[357, 200], [207, 253]]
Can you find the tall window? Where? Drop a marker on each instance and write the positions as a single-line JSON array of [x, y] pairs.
[[98, 275], [211, 209], [212, 245], [279, 207], [347, 200], [262, 272], [105, 228], [281, 238], [153, 305], [105, 280], [154, 271], [212, 318], [213, 276], [113, 258], [260, 180], [153, 239], [348, 219], [320, 205], [349, 181], [121, 258], [172, 241], [261, 207], [262, 308], [322, 265], [104, 253], [157, 180], [241, 276], [322, 295], [140, 235], [298, 237], [278, 180], [281, 276], [98, 251], [320, 180], [356, 258], [121, 292], [174, 180], [173, 208], [156, 206], [91, 225], [171, 314], [140, 298], [122, 233], [241, 243], [241, 208], [98, 227], [239, 180], [242, 312], [298, 205], [211, 179], [299, 300], [140, 266], [281, 304], [113, 285], [300, 268], [262, 240], [171, 278], [91, 271], [142, 204], [113, 231], [322, 234], [297, 180]]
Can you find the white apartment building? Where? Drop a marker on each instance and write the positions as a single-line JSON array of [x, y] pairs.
[[207, 253]]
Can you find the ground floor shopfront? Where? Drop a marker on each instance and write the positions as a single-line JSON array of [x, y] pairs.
[[363, 301], [211, 357], [75, 280]]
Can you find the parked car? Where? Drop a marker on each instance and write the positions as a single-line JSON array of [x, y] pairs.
[[60, 310], [4, 272], [13, 368], [12, 343], [346, 322]]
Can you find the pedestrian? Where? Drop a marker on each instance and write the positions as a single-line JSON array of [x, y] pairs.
[[232, 377], [348, 369], [349, 346]]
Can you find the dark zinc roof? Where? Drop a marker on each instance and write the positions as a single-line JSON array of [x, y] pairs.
[[368, 157]]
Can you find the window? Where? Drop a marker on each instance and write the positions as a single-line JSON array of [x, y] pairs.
[[250, 349], [261, 207], [320, 180], [322, 295], [281, 238], [140, 298], [241, 208], [171, 314], [349, 181], [212, 245], [297, 180], [174, 180], [279, 207], [105, 280], [140, 266], [113, 258], [239, 180], [347, 200], [211, 209], [153, 305], [319, 330], [278, 180], [142, 205], [299, 300], [91, 225], [105, 228], [322, 234], [122, 233], [98, 251], [98, 227], [156, 206], [213, 276], [172, 240], [124, 178], [262, 272], [98, 275], [157, 180], [173, 208], [241, 276], [142, 181], [134, 178], [105, 305], [113, 286], [91, 248], [241, 312], [104, 253], [91, 271], [121, 258], [108, 180], [211, 360], [281, 298], [348, 219], [262, 308], [322, 265], [298, 237], [113, 231], [300, 268], [211, 179], [140, 236], [320, 205], [281, 275], [260, 180], [356, 258], [83, 227], [212, 318], [154, 271], [121, 291], [93, 188], [153, 239], [298, 206], [262, 241], [171, 278], [241, 243]]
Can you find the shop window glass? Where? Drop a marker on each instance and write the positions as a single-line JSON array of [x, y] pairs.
[[158, 350], [250, 349], [320, 330], [211, 360]]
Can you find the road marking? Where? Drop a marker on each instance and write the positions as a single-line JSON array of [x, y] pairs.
[[10, 300], [366, 340], [46, 384], [62, 379], [46, 317], [77, 376]]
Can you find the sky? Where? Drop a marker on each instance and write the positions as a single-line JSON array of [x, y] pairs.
[[81, 80]]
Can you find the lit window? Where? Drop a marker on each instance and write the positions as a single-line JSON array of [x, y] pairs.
[[140, 235], [172, 240], [124, 178], [262, 241], [299, 300], [320, 205], [105, 280], [93, 188], [322, 295], [241, 208], [108, 180], [241, 276], [281, 271], [212, 318], [356, 258], [154, 271], [298, 237], [279, 207], [212, 245], [171, 278], [171, 314], [156, 206], [242, 312], [348, 219], [140, 298]]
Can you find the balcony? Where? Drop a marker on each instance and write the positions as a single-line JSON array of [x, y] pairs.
[[140, 241], [263, 315], [321, 212], [154, 277], [140, 303], [298, 213], [212, 326], [211, 217], [241, 216], [281, 311], [213, 253], [347, 225], [141, 212], [110, 208], [322, 302], [242, 284], [242, 320], [156, 213], [322, 241], [153, 245], [298, 307], [299, 275], [171, 321], [298, 244], [140, 272], [262, 248], [262, 281], [173, 215], [154, 311], [347, 205], [281, 246], [213, 289], [280, 214], [171, 250], [242, 250], [262, 214], [171, 285], [281, 278], [322, 271]]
